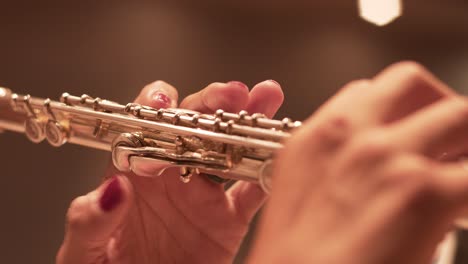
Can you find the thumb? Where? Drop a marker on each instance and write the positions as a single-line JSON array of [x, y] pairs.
[[93, 219]]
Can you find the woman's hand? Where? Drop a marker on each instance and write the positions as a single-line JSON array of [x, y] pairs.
[[362, 180], [133, 219]]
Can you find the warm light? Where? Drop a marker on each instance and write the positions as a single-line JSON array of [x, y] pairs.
[[380, 12]]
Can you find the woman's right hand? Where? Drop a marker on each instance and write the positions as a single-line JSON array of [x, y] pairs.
[[362, 182]]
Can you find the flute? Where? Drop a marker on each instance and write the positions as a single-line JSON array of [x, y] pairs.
[[146, 141]]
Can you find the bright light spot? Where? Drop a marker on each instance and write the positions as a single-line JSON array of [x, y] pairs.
[[2, 92], [380, 12]]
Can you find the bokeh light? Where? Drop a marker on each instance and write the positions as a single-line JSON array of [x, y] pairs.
[[380, 12]]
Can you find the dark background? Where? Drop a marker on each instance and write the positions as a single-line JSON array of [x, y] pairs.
[[112, 50]]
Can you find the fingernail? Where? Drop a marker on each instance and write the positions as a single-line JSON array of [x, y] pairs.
[[241, 84], [275, 82], [162, 99], [111, 196]]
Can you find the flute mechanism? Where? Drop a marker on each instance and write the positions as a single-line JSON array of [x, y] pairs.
[[146, 141]]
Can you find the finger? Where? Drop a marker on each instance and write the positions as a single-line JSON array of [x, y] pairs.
[[401, 89], [231, 97], [266, 98], [435, 130], [247, 198], [158, 95], [93, 219], [450, 180], [343, 106]]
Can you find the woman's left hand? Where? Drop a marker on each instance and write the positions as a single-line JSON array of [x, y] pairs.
[[134, 219]]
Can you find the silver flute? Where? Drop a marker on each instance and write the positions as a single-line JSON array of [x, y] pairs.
[[146, 141]]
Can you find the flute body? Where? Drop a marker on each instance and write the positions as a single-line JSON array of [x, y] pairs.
[[146, 141]]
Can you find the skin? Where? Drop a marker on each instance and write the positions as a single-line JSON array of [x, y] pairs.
[[361, 182], [160, 219], [368, 184]]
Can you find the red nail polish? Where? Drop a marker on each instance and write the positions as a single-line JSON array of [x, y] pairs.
[[111, 196], [162, 99], [241, 84]]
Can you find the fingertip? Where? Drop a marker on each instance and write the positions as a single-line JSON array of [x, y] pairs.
[[158, 94], [269, 90], [271, 81], [266, 97], [231, 97], [238, 85]]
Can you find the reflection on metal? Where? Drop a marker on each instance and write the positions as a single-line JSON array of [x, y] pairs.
[[380, 12], [146, 141]]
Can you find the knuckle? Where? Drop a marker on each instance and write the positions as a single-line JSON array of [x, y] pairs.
[[411, 68], [79, 204], [371, 146], [357, 84], [413, 176], [80, 213], [461, 106], [407, 168], [332, 132], [412, 73]]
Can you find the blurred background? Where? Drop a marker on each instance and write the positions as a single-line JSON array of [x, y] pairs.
[[111, 49]]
